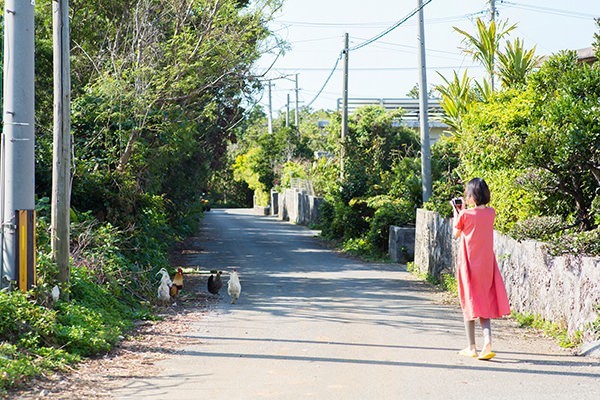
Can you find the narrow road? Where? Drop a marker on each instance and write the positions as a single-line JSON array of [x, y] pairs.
[[311, 324]]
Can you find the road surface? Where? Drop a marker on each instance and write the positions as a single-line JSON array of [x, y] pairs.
[[312, 324]]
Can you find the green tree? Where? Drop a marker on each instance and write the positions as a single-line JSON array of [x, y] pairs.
[[564, 143], [373, 144], [164, 89]]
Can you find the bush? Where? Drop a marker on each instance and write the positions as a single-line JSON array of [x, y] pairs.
[[344, 221], [538, 228], [388, 211], [582, 243], [446, 181], [28, 334]]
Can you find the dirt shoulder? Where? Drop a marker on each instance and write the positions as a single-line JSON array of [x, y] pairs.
[[136, 356]]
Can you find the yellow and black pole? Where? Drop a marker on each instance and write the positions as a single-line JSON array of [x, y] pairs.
[[25, 249]]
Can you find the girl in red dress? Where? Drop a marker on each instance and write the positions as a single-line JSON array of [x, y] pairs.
[[480, 287]]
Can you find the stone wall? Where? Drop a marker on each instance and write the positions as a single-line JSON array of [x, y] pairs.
[[401, 244], [435, 251], [564, 290], [297, 207]]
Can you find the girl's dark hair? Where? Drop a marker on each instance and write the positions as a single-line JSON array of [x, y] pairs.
[[478, 190]]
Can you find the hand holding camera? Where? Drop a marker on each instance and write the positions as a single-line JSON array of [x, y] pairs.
[[457, 204]]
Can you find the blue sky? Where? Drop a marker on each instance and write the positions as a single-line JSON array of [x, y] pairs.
[[388, 67]]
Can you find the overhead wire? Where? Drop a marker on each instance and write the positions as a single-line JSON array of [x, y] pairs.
[[337, 61], [391, 28], [366, 43], [548, 10]]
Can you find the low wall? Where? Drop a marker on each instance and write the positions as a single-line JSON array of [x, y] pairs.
[[564, 290], [274, 203], [401, 244], [298, 207]]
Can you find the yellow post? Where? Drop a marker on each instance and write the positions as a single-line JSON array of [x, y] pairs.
[[25, 249]]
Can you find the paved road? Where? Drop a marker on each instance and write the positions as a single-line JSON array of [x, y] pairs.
[[311, 324]]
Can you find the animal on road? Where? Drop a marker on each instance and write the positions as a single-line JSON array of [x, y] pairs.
[[177, 284], [234, 288], [164, 289], [215, 283]]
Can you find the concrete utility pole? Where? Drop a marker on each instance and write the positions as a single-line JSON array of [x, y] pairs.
[[287, 112], [270, 111], [493, 10], [61, 171], [423, 114], [18, 138], [297, 116], [345, 54], [493, 13]]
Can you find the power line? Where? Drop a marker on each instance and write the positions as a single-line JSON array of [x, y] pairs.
[[391, 28], [547, 10], [431, 21], [336, 24], [326, 81], [373, 39], [406, 46], [316, 69]]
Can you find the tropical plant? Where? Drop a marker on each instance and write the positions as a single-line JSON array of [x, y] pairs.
[[457, 97], [515, 63], [483, 46]]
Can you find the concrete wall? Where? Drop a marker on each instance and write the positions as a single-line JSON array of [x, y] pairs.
[[298, 207], [401, 244], [564, 290]]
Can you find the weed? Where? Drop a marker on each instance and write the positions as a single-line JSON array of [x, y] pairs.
[[551, 329]]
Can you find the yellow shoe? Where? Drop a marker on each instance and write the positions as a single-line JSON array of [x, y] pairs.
[[487, 356], [467, 353]]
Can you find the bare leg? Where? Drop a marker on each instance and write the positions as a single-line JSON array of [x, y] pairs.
[[486, 350], [486, 326], [471, 349]]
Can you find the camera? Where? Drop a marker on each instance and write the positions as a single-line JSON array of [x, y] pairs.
[[457, 203]]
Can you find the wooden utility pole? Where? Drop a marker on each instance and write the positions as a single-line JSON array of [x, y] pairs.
[[61, 170], [423, 114], [345, 54]]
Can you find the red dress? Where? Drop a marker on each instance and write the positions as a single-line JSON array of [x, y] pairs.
[[480, 287]]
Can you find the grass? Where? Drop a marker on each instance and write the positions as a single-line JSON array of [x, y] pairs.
[[551, 329]]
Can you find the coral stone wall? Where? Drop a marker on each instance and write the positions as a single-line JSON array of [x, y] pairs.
[[564, 290]]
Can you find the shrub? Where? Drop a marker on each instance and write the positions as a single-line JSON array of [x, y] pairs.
[[582, 243], [538, 228], [388, 211]]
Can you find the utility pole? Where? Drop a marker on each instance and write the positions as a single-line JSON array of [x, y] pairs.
[[493, 10], [287, 112], [270, 113], [18, 138], [423, 114], [61, 170], [296, 115], [493, 21], [345, 54]]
